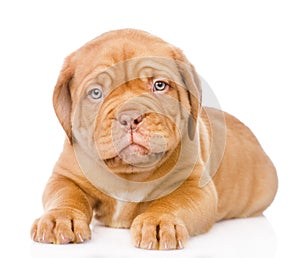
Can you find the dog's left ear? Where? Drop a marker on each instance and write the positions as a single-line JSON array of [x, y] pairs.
[[62, 100], [192, 83]]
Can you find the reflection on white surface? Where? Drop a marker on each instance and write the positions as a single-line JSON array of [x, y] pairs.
[[252, 237]]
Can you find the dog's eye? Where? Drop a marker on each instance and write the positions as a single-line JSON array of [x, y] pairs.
[[160, 86], [95, 93]]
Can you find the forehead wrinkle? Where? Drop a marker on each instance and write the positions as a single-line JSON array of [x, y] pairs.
[[151, 67]]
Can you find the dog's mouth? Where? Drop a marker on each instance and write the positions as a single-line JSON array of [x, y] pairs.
[[133, 149], [135, 155]]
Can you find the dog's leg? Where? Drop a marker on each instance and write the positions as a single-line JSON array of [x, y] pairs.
[[67, 214], [169, 221]]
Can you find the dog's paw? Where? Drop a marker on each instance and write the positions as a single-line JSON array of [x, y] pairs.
[[158, 231], [61, 227]]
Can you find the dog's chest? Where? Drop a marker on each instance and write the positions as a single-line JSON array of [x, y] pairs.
[[120, 214]]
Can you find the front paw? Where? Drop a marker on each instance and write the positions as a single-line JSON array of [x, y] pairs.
[[158, 231], [61, 226]]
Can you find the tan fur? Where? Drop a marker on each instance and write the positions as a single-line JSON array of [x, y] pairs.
[[244, 185]]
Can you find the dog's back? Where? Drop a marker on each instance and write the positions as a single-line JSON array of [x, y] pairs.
[[246, 179]]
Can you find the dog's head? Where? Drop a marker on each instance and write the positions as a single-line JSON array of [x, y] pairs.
[[131, 96]]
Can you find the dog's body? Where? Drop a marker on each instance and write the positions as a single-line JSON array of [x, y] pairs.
[[245, 182]]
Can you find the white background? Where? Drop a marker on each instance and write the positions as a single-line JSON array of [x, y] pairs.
[[248, 52]]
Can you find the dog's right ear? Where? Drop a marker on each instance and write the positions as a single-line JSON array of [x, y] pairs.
[[62, 100]]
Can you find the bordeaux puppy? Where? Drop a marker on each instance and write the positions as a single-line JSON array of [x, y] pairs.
[[142, 153]]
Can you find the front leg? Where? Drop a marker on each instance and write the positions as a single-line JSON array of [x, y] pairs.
[[169, 221], [68, 213]]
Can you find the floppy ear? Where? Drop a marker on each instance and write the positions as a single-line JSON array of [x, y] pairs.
[[192, 83], [62, 100]]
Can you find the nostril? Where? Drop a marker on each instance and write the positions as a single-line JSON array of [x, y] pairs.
[[123, 122], [138, 120], [130, 120]]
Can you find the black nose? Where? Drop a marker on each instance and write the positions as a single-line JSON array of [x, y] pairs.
[[130, 119]]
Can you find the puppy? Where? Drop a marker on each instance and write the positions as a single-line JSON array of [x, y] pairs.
[[142, 152]]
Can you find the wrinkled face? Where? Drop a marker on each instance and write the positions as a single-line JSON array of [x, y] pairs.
[[127, 100], [135, 112]]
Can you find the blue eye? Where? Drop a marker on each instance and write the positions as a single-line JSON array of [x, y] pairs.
[[95, 93], [160, 86]]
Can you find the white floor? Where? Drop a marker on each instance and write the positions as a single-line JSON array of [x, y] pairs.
[[253, 237]]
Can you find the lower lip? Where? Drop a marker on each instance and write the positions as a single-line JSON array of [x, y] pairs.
[[136, 149]]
